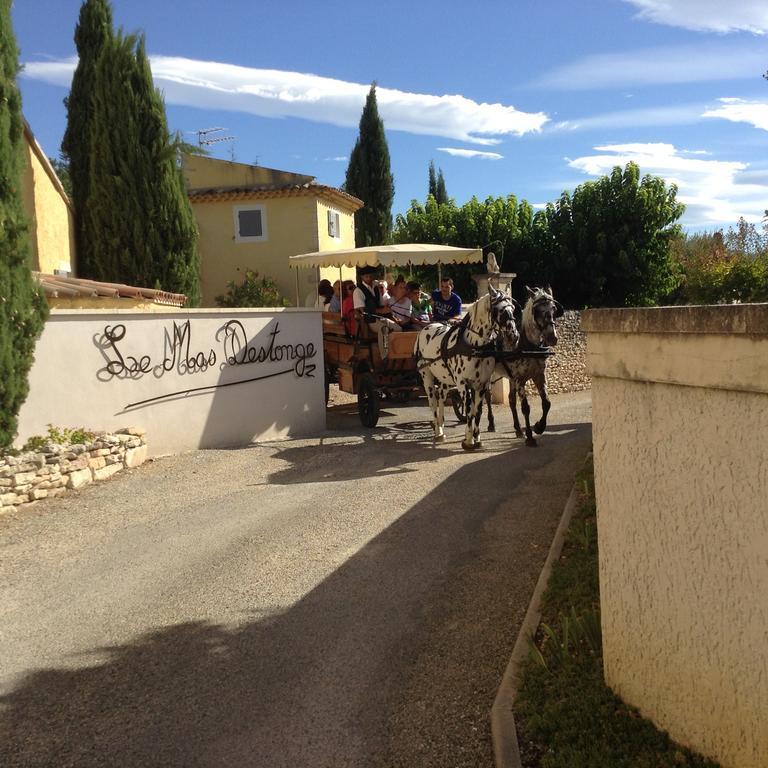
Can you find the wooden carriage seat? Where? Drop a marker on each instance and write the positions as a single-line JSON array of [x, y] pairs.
[[401, 344], [333, 324]]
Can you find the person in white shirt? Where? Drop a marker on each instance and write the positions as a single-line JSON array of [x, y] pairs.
[[367, 300], [400, 305]]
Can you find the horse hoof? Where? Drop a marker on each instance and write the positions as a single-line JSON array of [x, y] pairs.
[[530, 442], [518, 433], [538, 429], [439, 438], [491, 427], [471, 446]]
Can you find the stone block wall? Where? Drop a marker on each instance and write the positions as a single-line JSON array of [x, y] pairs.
[[567, 368], [31, 476]]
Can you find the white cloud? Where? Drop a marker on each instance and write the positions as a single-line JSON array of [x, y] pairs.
[[337, 159], [707, 15], [633, 118], [276, 93], [742, 111], [470, 153], [714, 191], [658, 66]]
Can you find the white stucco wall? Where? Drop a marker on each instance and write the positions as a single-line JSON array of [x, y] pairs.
[[680, 431], [192, 379]]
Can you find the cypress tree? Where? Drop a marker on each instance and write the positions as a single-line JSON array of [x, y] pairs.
[[432, 190], [441, 194], [137, 218], [22, 306], [92, 33], [369, 178]]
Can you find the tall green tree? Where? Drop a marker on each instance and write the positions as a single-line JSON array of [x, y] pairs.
[[437, 184], [137, 218], [432, 185], [370, 179], [441, 194], [23, 308], [92, 33]]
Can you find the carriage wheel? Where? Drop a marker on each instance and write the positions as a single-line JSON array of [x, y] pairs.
[[367, 401], [458, 406]]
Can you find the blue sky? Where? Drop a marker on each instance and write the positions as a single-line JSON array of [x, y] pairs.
[[519, 97]]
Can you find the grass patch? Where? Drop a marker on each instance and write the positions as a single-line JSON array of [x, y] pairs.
[[565, 714]]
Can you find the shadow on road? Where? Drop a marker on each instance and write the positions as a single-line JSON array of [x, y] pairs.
[[280, 690]]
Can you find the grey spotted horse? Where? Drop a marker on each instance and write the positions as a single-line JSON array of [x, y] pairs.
[[537, 332], [461, 356]]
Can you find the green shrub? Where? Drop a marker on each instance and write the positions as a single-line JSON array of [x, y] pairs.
[[253, 291], [59, 436]]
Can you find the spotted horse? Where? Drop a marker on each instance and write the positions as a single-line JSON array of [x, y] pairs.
[[462, 356], [527, 360]]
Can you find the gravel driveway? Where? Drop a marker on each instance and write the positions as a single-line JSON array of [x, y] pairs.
[[348, 600]]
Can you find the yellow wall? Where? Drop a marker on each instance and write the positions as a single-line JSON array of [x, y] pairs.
[[291, 224], [680, 418], [207, 172], [52, 232], [346, 239]]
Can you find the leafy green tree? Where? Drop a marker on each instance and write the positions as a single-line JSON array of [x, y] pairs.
[[717, 268], [22, 305], [137, 218], [253, 291], [92, 33], [502, 225], [370, 179], [608, 244]]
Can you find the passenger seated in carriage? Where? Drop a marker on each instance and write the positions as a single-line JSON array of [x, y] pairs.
[[348, 307], [369, 302], [400, 304], [420, 306], [446, 305]]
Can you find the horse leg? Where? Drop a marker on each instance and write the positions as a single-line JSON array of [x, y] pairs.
[[474, 409], [513, 406], [541, 384], [491, 422], [526, 409], [442, 393], [429, 387]]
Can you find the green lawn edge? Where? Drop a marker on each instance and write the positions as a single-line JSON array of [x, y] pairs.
[[566, 716]]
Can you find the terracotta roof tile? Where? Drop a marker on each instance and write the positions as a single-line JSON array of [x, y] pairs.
[[264, 191], [57, 286]]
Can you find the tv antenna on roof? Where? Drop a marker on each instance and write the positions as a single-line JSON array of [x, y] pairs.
[[204, 137]]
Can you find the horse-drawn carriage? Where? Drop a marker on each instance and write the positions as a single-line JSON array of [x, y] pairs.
[[355, 361]]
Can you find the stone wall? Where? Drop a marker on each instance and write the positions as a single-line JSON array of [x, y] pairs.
[[31, 476], [567, 368]]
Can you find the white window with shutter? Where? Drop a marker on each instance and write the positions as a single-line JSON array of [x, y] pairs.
[[334, 229], [250, 223]]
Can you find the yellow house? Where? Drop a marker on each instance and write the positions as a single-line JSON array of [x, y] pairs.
[[251, 217], [49, 210]]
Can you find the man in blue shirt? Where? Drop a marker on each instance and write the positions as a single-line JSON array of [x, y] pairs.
[[446, 304]]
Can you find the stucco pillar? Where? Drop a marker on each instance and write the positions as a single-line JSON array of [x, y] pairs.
[[680, 431]]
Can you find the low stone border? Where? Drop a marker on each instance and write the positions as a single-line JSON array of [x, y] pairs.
[[506, 751], [28, 477]]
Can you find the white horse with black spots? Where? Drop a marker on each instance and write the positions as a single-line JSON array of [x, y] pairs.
[[461, 356], [537, 333]]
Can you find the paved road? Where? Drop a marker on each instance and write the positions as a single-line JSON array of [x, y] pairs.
[[349, 600]]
